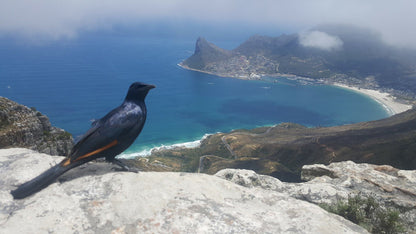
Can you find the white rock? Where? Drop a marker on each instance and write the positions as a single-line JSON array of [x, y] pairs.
[[95, 199], [390, 187], [409, 175]]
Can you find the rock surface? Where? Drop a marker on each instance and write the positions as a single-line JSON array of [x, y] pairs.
[[95, 199], [390, 187], [21, 126]]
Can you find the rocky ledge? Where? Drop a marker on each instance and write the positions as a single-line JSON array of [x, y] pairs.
[[95, 199], [21, 126], [389, 188]]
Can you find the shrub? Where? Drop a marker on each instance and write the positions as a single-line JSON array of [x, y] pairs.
[[367, 213]]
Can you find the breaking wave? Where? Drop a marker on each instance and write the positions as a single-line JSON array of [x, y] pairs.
[[147, 152]]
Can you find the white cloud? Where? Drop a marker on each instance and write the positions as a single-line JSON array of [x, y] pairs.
[[320, 40], [51, 18]]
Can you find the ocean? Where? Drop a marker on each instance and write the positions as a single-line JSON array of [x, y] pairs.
[[78, 80]]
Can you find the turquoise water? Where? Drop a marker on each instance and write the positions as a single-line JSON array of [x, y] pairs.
[[74, 82]]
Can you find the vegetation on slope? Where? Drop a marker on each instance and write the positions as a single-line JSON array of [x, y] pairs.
[[282, 150]]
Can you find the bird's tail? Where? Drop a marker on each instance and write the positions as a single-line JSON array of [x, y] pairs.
[[42, 181]]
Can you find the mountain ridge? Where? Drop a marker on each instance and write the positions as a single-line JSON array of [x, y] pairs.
[[360, 59]]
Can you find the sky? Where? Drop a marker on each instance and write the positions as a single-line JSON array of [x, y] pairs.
[[55, 19]]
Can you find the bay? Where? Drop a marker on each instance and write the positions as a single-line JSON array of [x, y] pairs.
[[76, 81]]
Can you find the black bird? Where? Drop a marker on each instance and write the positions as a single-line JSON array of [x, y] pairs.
[[107, 138]]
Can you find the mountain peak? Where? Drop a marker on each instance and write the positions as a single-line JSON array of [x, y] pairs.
[[206, 53]]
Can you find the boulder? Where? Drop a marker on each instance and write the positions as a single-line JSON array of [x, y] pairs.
[[94, 198]]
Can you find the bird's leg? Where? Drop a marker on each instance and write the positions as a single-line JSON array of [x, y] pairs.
[[123, 166]]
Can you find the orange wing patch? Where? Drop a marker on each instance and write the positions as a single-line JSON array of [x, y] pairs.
[[113, 143], [67, 162]]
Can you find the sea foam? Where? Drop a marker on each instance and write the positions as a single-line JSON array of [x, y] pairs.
[[148, 152]]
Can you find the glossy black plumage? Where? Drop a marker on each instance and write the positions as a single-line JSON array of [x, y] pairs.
[[107, 138]]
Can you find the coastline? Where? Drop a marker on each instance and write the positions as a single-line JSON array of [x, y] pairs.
[[385, 99], [388, 101], [148, 152], [256, 77]]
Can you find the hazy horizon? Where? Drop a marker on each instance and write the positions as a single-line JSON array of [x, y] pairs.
[[51, 20]]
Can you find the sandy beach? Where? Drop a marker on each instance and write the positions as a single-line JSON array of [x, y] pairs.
[[385, 99], [389, 102]]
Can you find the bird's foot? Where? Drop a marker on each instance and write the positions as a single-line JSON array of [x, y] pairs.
[[123, 167]]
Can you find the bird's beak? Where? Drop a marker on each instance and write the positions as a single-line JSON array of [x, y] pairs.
[[151, 87]]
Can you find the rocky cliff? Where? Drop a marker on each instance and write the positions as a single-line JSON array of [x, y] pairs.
[[95, 199], [21, 126], [206, 53]]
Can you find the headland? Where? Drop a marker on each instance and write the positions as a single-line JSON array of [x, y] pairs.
[[382, 72]]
